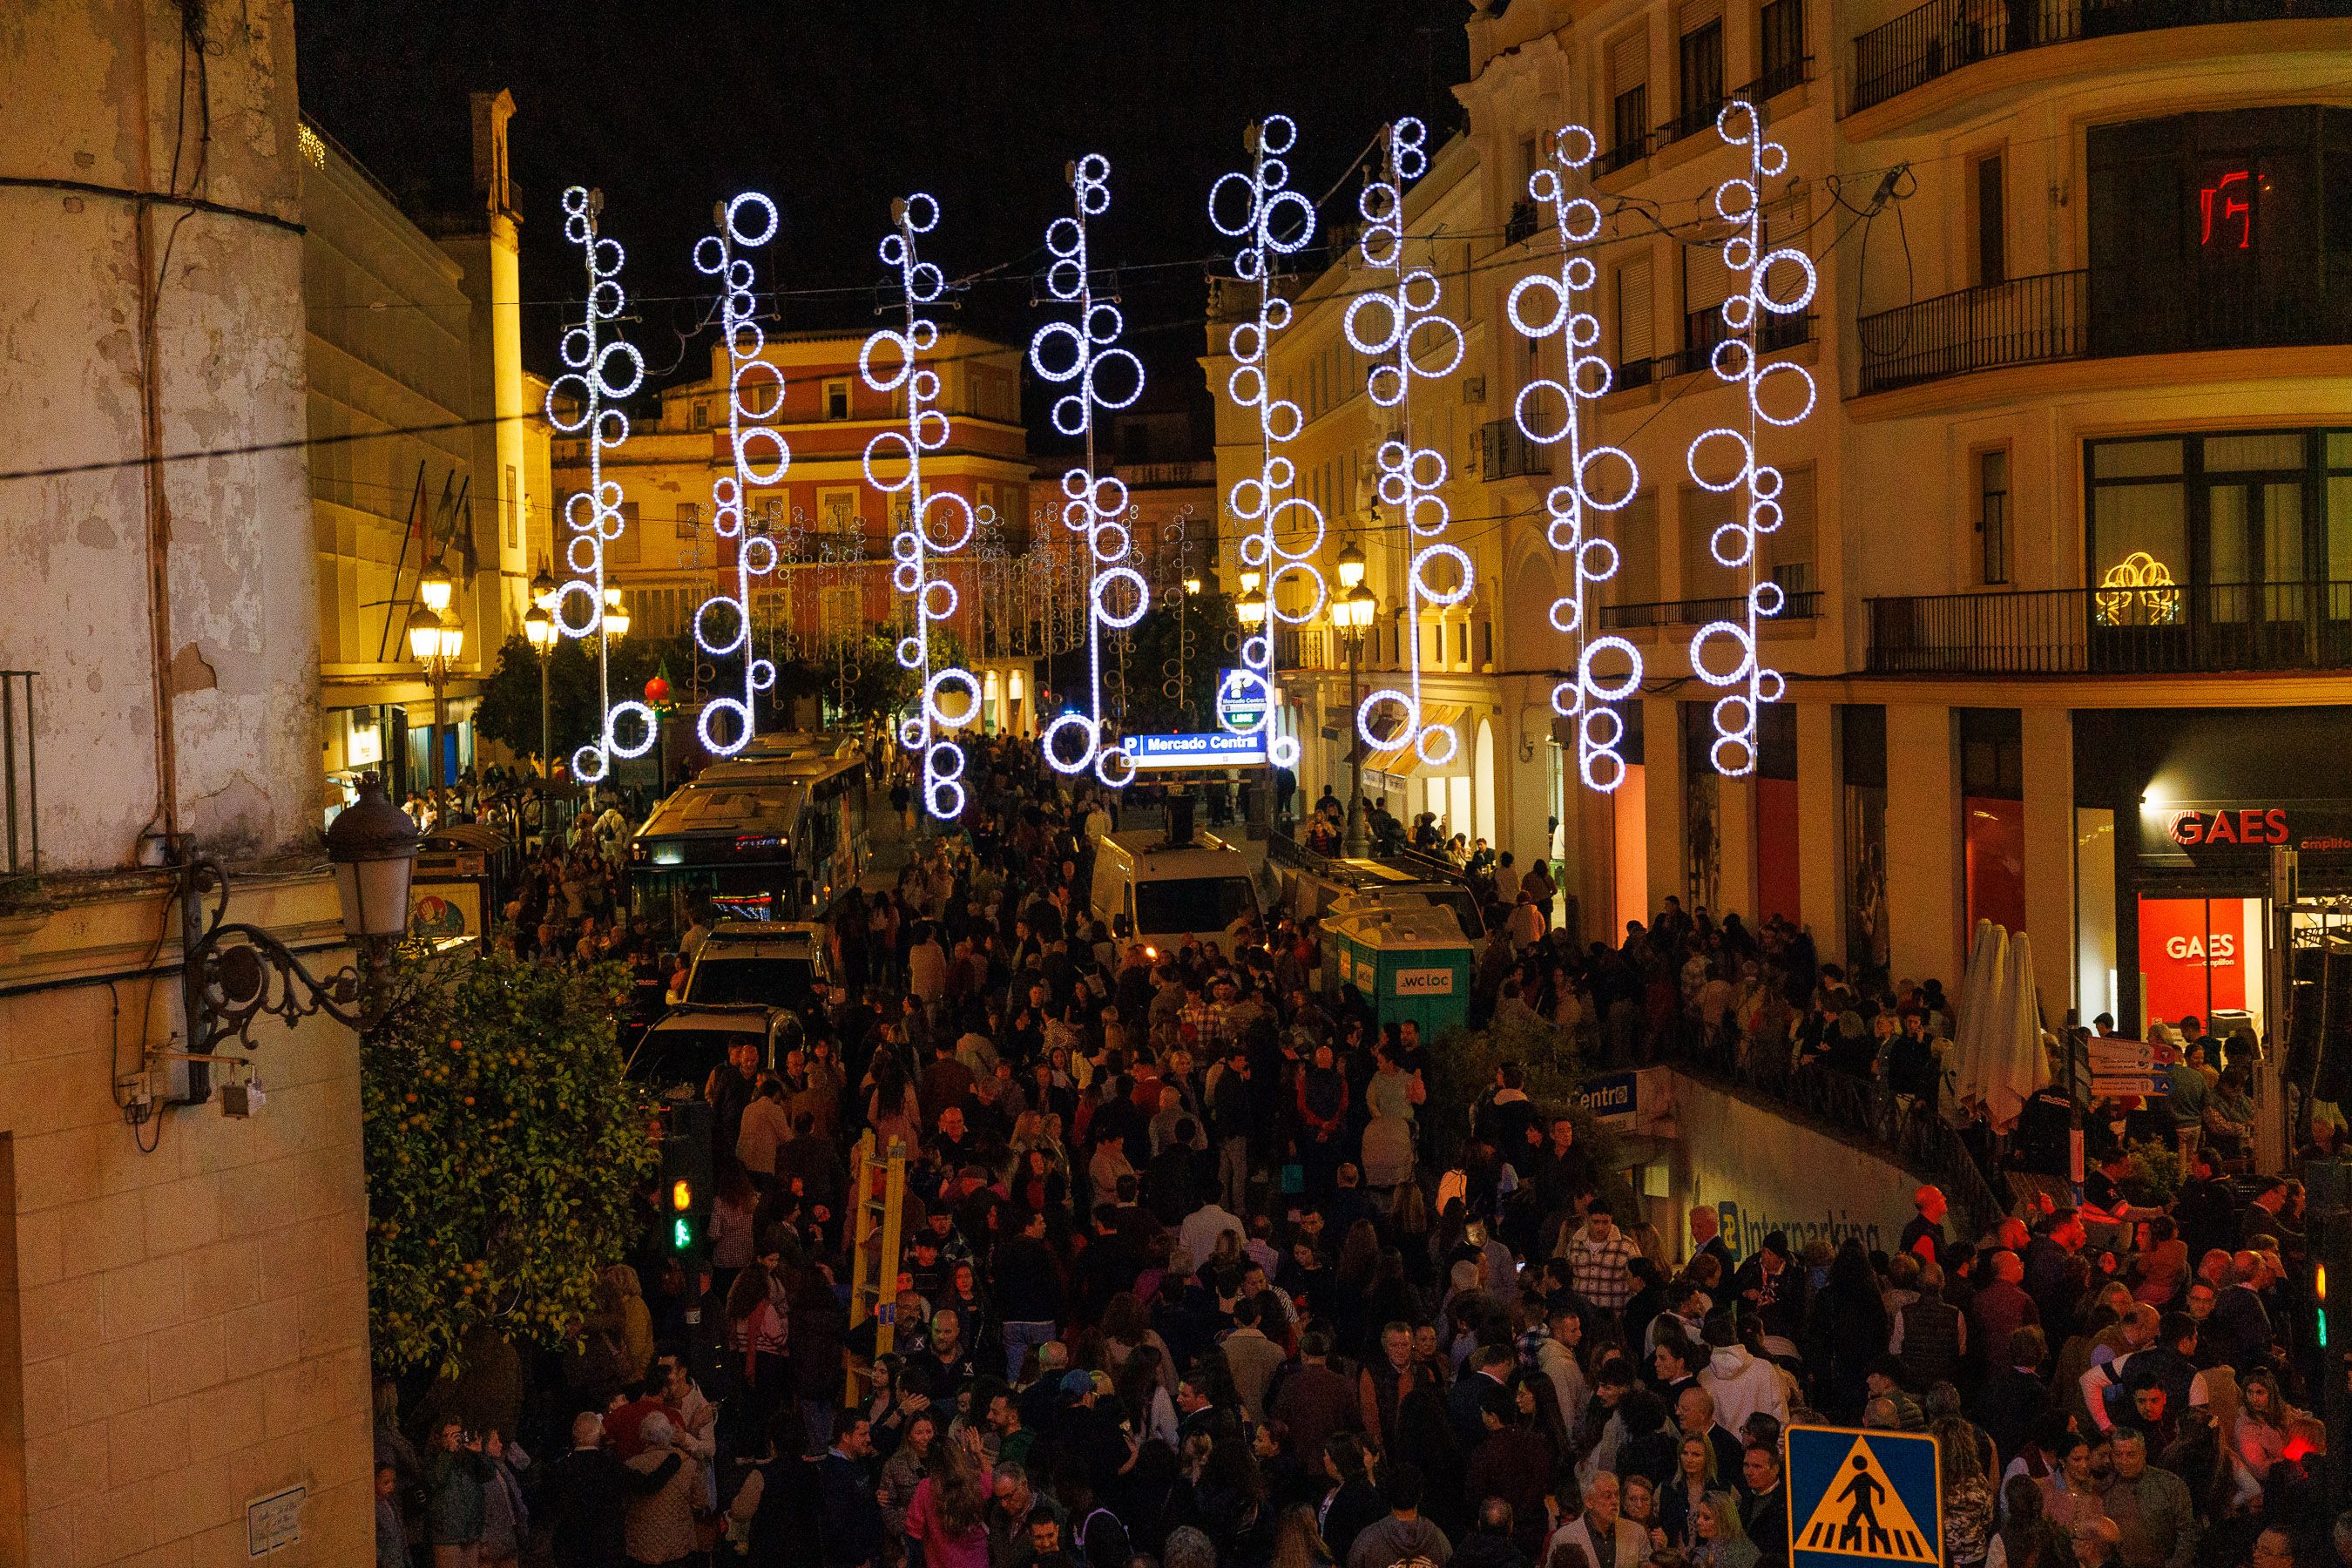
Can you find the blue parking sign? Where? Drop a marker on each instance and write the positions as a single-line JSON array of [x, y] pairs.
[[1864, 1496]]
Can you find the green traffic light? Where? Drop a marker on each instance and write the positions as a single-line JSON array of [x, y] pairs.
[[682, 1234]]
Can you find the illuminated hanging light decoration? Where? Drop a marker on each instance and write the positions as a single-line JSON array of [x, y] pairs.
[[1738, 669], [934, 524], [1552, 306], [600, 372], [759, 455], [1084, 355], [1286, 538], [1384, 324]]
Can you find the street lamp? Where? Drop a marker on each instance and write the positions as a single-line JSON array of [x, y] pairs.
[[435, 642], [1192, 585], [539, 629], [1353, 610], [617, 615], [436, 589], [542, 588]]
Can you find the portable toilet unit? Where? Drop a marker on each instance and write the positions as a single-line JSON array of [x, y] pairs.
[[1406, 957]]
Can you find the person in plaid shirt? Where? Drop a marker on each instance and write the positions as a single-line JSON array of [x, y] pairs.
[[1598, 1257]]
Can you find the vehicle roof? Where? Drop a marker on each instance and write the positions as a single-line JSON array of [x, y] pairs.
[[726, 809], [718, 1018], [757, 938], [1206, 856]]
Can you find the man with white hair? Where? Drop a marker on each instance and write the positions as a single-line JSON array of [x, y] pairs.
[[586, 1493], [1607, 1537], [659, 1526]]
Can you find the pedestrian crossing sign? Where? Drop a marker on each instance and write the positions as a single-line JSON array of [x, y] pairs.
[[1864, 1496]]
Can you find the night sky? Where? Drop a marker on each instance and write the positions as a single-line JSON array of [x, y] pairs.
[[833, 108]]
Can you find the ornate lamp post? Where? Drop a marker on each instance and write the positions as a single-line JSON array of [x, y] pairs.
[[1353, 610], [436, 641], [539, 629]]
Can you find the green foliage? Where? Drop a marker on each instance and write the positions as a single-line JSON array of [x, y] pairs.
[[2157, 1172], [1461, 1067], [508, 713], [503, 1146]]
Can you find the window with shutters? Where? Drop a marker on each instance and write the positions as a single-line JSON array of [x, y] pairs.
[[690, 517], [1707, 284], [839, 613], [1704, 576], [1992, 515], [701, 416], [1634, 530], [1636, 329], [836, 510], [1786, 63], [1698, 55], [836, 399], [1629, 99], [623, 552], [1789, 549]]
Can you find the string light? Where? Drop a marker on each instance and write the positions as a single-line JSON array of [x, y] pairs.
[[1078, 354], [1550, 305], [758, 456], [1273, 221], [1411, 477], [582, 401], [919, 541], [1747, 684]]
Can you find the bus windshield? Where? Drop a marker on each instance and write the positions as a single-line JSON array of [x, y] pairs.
[[1193, 904]]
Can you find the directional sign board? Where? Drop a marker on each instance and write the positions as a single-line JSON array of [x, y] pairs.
[[1864, 1496]]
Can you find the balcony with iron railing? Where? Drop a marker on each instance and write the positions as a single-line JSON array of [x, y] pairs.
[[2054, 316], [1506, 453], [1944, 36], [1800, 601], [2163, 628]]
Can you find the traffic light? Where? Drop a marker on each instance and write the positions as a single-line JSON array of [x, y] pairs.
[[2331, 1364], [686, 1177]]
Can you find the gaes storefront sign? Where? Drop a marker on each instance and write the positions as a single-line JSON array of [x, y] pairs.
[[2196, 830]]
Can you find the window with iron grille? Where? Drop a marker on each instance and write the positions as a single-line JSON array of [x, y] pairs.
[[1782, 24], [1992, 514], [1699, 66]]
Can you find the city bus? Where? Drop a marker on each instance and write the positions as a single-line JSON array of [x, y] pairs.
[[766, 839]]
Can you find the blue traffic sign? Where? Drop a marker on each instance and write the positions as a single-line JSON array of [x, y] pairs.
[[1858, 1495]]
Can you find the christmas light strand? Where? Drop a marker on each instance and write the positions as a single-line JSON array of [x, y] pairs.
[[1384, 325], [922, 538], [600, 373], [1747, 682], [758, 457], [1551, 306], [1084, 355], [1259, 208]]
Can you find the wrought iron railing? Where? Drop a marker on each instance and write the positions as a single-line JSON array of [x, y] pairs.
[[2160, 628], [1908, 1129], [20, 776], [1801, 605], [1521, 223], [1704, 329], [2025, 321], [1505, 452], [1943, 35]]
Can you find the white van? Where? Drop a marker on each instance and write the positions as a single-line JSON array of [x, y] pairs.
[[1168, 892]]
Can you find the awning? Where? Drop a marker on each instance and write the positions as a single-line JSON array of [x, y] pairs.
[[1403, 761]]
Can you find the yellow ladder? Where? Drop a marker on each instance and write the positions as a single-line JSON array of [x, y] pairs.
[[877, 1195]]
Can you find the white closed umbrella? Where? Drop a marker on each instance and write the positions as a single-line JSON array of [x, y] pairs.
[[2018, 1066], [1978, 1003]]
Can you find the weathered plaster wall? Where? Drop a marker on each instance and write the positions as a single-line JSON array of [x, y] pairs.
[[89, 93]]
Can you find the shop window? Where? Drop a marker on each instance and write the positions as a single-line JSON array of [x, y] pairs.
[[2198, 957], [1992, 517]]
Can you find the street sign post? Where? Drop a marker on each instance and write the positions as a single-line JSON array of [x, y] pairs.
[[1859, 1497]]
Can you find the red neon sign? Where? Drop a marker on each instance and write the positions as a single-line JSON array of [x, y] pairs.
[[2239, 207]]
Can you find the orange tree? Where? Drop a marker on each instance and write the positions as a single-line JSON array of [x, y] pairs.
[[504, 1146]]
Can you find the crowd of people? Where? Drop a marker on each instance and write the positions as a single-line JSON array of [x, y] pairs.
[[1195, 1273]]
